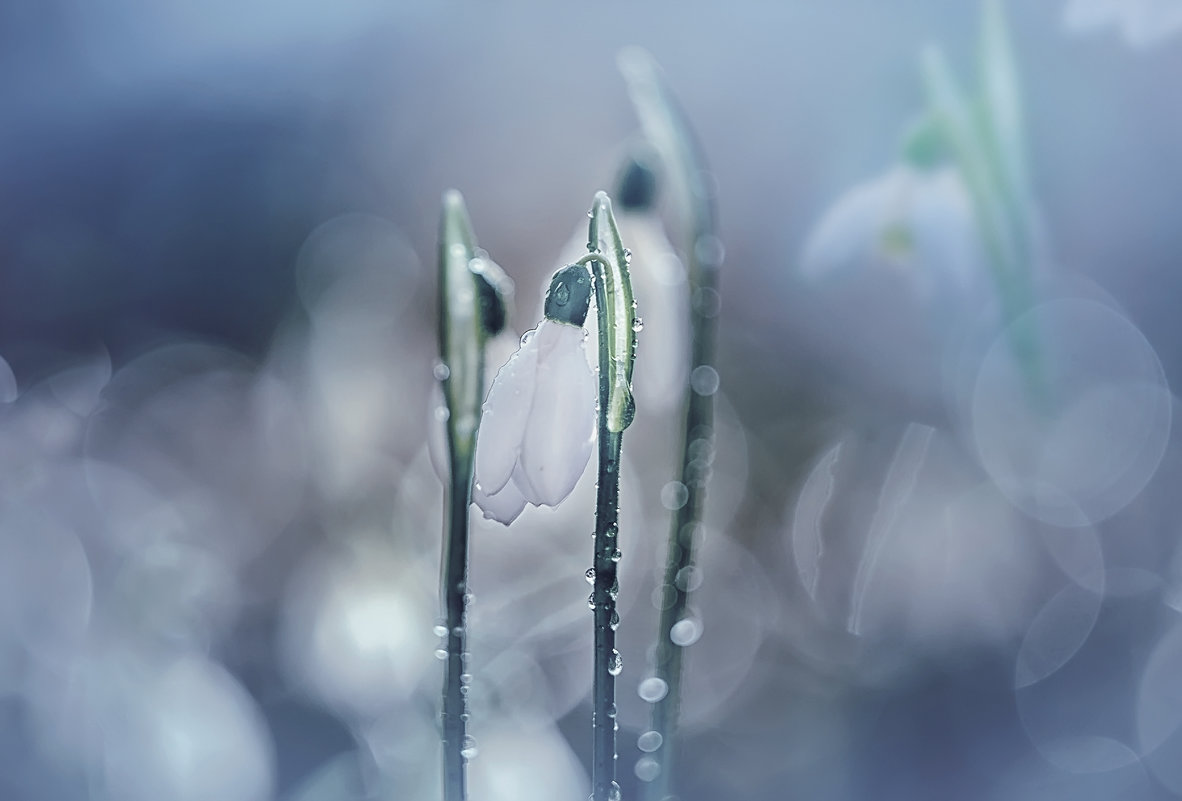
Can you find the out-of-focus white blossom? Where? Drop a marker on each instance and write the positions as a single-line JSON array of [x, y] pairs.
[[538, 424], [891, 271], [1142, 23], [915, 225]]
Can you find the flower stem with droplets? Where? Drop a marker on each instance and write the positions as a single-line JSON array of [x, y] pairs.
[[617, 347], [472, 297], [692, 197]]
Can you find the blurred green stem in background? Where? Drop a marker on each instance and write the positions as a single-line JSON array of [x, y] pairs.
[[985, 139], [692, 197], [616, 312], [472, 307]]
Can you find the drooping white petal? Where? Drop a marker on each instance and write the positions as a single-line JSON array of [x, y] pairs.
[[503, 506], [505, 414], [558, 438]]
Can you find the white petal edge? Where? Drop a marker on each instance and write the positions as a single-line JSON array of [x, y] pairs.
[[504, 417], [503, 506], [561, 430]]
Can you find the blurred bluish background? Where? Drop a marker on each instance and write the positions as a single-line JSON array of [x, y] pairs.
[[920, 578]]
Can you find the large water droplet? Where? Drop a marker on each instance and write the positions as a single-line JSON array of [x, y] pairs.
[[615, 620], [647, 769], [442, 414], [685, 632], [440, 630], [613, 794], [674, 495], [615, 663], [440, 654], [637, 325], [652, 689], [590, 575], [704, 380], [688, 578], [441, 371], [649, 741], [562, 294]]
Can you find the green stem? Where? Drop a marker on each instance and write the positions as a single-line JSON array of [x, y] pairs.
[[693, 198], [616, 316], [472, 296]]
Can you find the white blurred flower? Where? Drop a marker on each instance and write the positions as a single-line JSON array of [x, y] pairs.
[[916, 225], [1142, 22], [538, 424], [891, 272]]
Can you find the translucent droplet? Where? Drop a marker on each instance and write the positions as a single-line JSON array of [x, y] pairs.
[[562, 294], [652, 689], [704, 380], [709, 250], [614, 589], [464, 716], [649, 741], [441, 371], [615, 620], [440, 631], [458, 631], [637, 325], [590, 575], [674, 495], [685, 632], [612, 530], [440, 654], [664, 596], [526, 337], [627, 256], [616, 555], [591, 601], [647, 769], [465, 678], [442, 413], [706, 302], [612, 711], [613, 794], [468, 751], [688, 579], [615, 663]]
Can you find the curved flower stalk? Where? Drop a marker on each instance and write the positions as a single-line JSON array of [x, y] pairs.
[[1142, 23], [692, 200], [472, 297], [616, 317], [539, 420]]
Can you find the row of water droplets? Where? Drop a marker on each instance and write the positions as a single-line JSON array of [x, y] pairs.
[[468, 750]]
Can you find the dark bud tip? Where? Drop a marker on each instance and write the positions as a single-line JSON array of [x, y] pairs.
[[494, 291], [569, 296], [636, 186]]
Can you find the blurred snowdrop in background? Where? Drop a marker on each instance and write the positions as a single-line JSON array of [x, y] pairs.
[[940, 552]]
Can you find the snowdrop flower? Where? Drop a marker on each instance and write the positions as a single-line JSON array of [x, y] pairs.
[[892, 271], [914, 224], [1142, 22], [538, 423]]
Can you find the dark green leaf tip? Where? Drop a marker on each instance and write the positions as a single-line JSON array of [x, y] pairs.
[[495, 290], [569, 296]]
